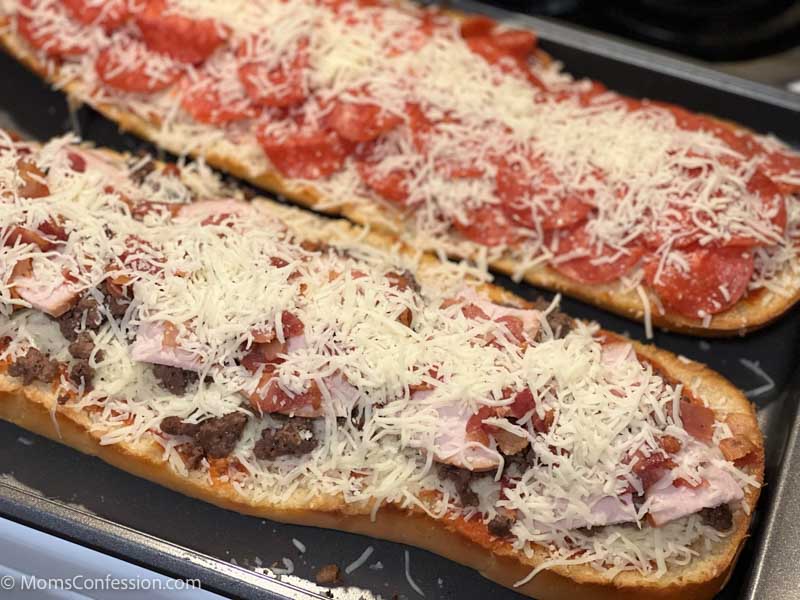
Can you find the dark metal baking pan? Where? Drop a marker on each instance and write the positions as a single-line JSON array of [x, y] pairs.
[[58, 490]]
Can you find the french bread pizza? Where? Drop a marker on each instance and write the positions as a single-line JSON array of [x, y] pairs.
[[285, 365], [453, 132]]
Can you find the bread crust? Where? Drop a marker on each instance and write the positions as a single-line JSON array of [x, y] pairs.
[[35, 408], [756, 310]]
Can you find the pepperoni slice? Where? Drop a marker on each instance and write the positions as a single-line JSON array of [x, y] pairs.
[[392, 185], [359, 122], [682, 222], [488, 226], [181, 37], [715, 280], [109, 15], [305, 151], [509, 51], [477, 25], [217, 98], [778, 163], [515, 42], [279, 86], [531, 196], [424, 133], [43, 25], [127, 65], [589, 268]]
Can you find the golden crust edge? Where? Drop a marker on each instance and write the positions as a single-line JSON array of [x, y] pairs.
[[749, 314]]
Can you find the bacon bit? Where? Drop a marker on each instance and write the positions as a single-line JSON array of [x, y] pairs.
[[277, 262], [142, 208], [401, 281], [76, 162], [543, 424], [477, 431], [523, 403], [670, 444], [406, 317], [292, 326], [508, 442], [514, 325], [698, 420], [21, 235], [130, 257], [472, 311], [263, 354], [171, 170], [32, 177], [270, 398], [53, 229], [115, 289], [447, 303], [651, 468], [736, 447]]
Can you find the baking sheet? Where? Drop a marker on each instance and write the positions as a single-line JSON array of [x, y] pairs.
[[80, 498]]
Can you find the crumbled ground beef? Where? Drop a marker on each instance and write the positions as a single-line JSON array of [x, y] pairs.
[[71, 322], [176, 426], [81, 374], [173, 379], [560, 323], [329, 575], [720, 517], [218, 436], [522, 460], [143, 170], [500, 525], [461, 478], [82, 347], [294, 437], [215, 437], [34, 366], [117, 299]]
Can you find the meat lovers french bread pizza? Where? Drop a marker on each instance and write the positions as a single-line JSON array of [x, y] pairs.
[[280, 364], [452, 131]]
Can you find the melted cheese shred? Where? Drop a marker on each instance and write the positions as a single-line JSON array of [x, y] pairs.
[[222, 272]]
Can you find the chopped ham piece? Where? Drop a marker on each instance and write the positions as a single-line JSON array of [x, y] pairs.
[[452, 444], [617, 353], [44, 289], [669, 502], [152, 346], [607, 510]]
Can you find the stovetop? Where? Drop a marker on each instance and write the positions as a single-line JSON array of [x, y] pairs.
[[754, 39]]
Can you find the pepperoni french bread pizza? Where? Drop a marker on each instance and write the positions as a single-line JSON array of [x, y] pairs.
[[284, 365], [452, 131]]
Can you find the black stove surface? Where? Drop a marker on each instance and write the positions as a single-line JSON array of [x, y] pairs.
[[712, 30]]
